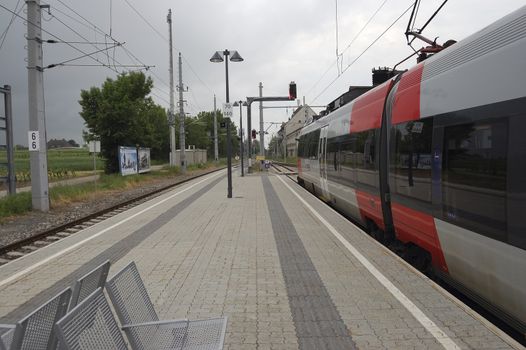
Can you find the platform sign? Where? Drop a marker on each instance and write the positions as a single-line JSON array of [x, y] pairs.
[[94, 146], [128, 160], [33, 141], [228, 110]]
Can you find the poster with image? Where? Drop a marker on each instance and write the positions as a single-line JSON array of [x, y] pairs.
[[128, 160], [144, 160]]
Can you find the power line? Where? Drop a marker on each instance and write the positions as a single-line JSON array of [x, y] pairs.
[[365, 25], [98, 49], [91, 24], [347, 47], [115, 63], [4, 34], [360, 55], [92, 65], [166, 40], [146, 21], [78, 58], [196, 75], [57, 37]]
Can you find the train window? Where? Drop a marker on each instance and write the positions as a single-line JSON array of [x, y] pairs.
[[366, 149], [314, 138], [332, 154], [365, 159], [516, 174], [474, 173], [301, 146], [410, 159]]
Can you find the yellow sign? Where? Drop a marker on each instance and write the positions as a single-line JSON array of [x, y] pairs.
[[260, 157]]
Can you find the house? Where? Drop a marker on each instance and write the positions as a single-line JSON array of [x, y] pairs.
[[293, 127]]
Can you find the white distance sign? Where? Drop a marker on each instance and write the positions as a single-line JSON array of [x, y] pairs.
[[33, 141], [228, 110]]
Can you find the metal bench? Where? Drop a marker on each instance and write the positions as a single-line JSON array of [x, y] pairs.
[[142, 326], [90, 326], [6, 335], [36, 331], [89, 283]]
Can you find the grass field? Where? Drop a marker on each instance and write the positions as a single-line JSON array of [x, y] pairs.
[[61, 196], [61, 163]]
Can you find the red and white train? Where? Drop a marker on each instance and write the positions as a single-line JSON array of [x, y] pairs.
[[436, 159]]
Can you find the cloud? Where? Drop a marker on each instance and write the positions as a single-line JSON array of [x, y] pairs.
[[280, 40]]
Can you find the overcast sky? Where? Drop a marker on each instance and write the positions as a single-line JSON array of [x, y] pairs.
[[280, 40]]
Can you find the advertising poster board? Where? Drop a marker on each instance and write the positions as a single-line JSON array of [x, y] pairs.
[[128, 160], [144, 160]]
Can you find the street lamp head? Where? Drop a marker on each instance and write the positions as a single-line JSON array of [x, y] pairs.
[[236, 57], [235, 104], [217, 57], [245, 104]]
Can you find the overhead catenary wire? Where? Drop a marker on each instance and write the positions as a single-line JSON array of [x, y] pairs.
[[4, 34], [363, 52], [87, 24], [58, 38], [347, 47], [175, 48], [83, 56], [145, 20], [113, 62]]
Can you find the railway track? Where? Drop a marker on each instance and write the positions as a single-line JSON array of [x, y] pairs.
[[285, 169], [28, 245]]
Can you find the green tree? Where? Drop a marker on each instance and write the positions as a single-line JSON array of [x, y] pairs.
[[199, 131], [120, 113]]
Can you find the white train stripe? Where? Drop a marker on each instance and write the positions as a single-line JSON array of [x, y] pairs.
[[428, 324], [76, 245]]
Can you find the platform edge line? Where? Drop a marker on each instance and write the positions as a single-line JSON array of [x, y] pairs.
[[56, 255], [425, 321]]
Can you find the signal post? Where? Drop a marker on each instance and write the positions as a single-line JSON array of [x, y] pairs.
[[292, 96]]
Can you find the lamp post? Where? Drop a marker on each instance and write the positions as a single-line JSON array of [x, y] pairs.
[[241, 104], [234, 57]]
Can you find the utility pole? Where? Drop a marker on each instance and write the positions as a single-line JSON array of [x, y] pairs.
[[180, 87], [216, 149], [171, 117], [261, 127], [37, 118]]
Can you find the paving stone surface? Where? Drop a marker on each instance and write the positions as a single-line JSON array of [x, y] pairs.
[[261, 258]]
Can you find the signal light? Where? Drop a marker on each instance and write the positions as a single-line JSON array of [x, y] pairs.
[[254, 134], [292, 90]]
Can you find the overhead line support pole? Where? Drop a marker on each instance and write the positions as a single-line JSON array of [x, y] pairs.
[[249, 118], [182, 145], [171, 117], [37, 118]]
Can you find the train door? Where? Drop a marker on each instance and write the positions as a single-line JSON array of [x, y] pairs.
[[322, 157]]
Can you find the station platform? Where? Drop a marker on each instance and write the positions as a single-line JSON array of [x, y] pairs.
[[288, 271]]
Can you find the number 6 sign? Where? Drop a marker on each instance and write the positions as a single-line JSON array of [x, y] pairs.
[[33, 141]]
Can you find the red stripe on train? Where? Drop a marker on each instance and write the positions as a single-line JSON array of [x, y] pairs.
[[419, 228], [410, 225], [406, 105], [367, 109], [370, 208]]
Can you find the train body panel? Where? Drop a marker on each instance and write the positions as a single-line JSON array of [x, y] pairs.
[[437, 156], [419, 228], [485, 68], [493, 269]]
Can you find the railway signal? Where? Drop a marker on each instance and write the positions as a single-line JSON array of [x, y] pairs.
[[292, 90], [254, 134]]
